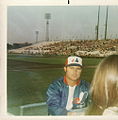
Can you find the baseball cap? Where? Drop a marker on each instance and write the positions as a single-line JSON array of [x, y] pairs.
[[73, 61]]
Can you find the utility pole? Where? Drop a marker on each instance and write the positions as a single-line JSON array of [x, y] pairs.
[[106, 23], [97, 26]]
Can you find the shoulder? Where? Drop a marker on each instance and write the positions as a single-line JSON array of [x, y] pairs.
[[57, 83], [84, 83]]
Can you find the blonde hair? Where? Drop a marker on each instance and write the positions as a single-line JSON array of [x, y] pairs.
[[104, 86]]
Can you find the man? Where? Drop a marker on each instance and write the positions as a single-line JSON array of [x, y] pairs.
[[69, 92]]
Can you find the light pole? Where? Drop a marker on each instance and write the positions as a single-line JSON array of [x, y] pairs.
[[47, 17], [37, 35]]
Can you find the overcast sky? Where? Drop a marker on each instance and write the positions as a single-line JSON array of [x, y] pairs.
[[67, 22]]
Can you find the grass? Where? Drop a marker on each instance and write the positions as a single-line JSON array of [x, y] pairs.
[[39, 59], [28, 77], [51, 59]]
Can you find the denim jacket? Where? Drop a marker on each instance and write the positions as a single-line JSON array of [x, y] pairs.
[[57, 96]]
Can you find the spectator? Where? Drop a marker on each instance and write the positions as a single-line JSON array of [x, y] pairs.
[[104, 88]]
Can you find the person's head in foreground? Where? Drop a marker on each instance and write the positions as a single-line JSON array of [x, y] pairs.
[[104, 87]]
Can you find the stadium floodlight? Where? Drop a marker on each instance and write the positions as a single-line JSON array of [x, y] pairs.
[[37, 35], [47, 17]]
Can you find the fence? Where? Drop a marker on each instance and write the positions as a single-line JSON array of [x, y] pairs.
[[27, 106]]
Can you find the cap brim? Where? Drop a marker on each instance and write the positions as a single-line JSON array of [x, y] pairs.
[[74, 65]]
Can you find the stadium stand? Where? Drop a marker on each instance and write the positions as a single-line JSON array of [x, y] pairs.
[[91, 48]]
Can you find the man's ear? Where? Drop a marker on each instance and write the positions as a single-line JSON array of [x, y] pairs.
[[65, 69]]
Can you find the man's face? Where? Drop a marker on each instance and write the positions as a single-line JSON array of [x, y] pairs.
[[73, 72]]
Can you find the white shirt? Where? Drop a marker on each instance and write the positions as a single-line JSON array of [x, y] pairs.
[[70, 98]]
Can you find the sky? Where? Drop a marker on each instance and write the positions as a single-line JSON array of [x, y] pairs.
[[66, 23]]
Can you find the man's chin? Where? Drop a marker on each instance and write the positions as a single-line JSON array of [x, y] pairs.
[[75, 80]]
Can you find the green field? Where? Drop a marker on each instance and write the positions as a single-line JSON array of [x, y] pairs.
[[28, 78]]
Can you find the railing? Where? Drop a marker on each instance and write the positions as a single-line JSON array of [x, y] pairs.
[[30, 105]]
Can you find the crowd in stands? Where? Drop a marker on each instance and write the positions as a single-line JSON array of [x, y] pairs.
[[96, 48]]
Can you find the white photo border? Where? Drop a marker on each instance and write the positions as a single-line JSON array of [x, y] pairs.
[[3, 57]]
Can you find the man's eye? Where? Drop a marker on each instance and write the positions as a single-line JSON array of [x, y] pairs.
[[74, 68], [71, 68]]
